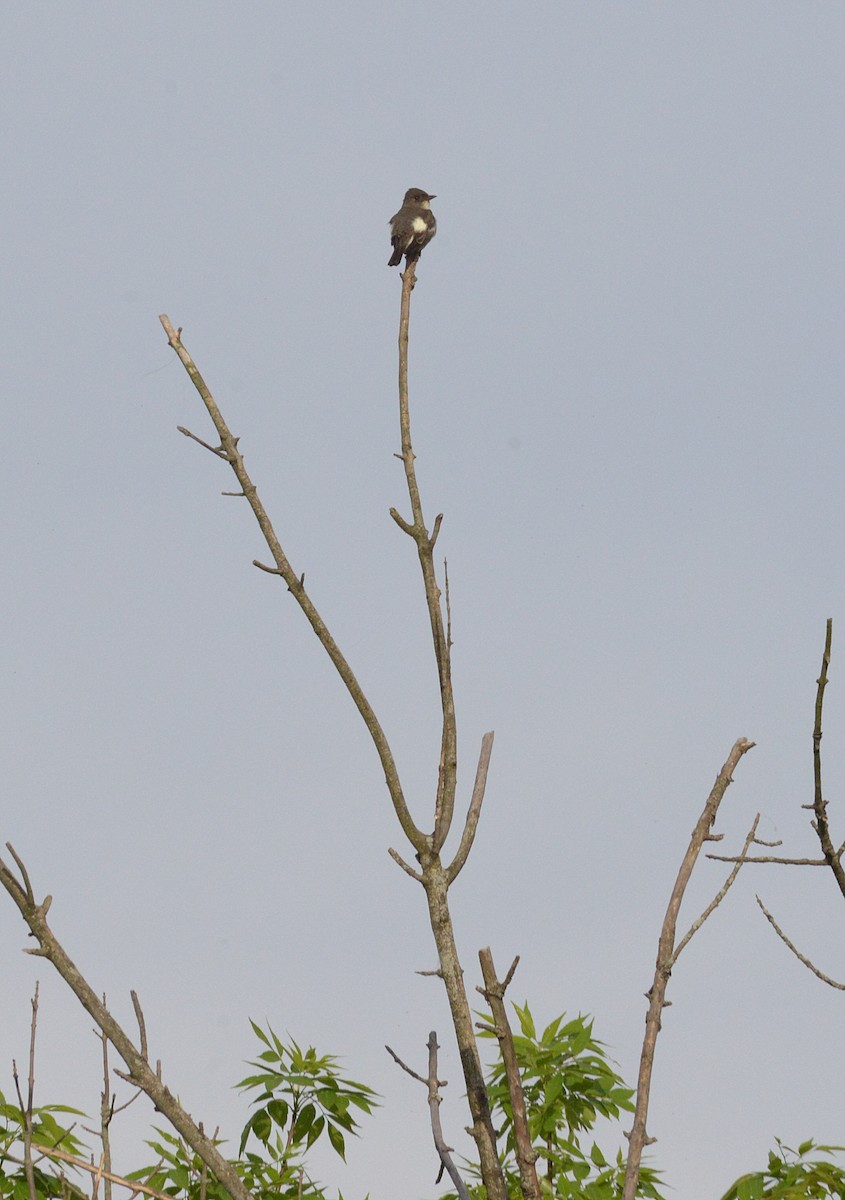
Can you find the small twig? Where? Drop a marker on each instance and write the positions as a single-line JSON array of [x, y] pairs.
[[218, 450], [720, 895], [801, 958], [434, 1084], [30, 895], [142, 1025], [448, 597], [397, 858]]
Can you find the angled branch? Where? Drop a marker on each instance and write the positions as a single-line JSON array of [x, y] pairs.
[[769, 858], [296, 586], [434, 1084], [474, 810], [140, 1074], [134, 1186], [720, 895], [638, 1137], [801, 958]]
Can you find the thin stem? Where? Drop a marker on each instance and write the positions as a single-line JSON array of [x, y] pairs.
[[820, 824]]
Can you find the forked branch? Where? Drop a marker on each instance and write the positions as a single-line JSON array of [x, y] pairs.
[[434, 1098]]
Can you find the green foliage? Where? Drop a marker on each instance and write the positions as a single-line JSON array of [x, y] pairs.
[[301, 1097], [790, 1174], [46, 1131], [569, 1085]]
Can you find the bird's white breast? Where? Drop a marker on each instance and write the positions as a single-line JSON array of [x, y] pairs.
[[419, 225]]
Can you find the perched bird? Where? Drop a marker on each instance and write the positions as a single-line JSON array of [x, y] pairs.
[[412, 227]]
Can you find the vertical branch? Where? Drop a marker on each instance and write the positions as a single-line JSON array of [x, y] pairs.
[[436, 887], [447, 775], [29, 1169], [820, 824], [106, 1114], [638, 1138], [494, 993]]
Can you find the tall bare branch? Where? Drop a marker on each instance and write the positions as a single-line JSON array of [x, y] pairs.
[[666, 954]]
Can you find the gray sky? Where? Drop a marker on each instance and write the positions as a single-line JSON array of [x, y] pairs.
[[627, 371]]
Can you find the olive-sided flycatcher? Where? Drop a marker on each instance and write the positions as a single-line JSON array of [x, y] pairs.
[[412, 227]]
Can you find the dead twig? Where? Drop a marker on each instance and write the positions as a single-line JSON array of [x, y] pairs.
[[434, 1098], [720, 895], [801, 957]]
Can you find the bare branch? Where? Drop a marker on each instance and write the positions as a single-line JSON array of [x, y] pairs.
[[769, 858], [820, 824], [229, 449], [140, 1074], [434, 1084], [801, 958], [132, 1184], [217, 450], [447, 776], [526, 1155], [720, 895], [397, 858], [26, 1108], [474, 811], [106, 1116], [638, 1137], [142, 1025]]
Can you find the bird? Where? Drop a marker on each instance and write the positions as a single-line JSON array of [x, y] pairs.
[[412, 228]]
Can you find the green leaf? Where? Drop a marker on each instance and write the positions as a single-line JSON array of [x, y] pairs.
[[337, 1140]]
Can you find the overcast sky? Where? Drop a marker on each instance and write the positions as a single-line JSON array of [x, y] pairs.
[[626, 380]]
